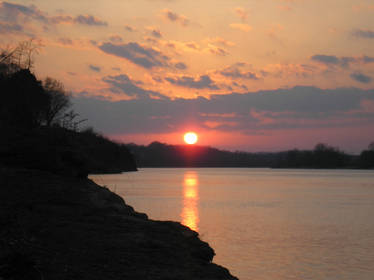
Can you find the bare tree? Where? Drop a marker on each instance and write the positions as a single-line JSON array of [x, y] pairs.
[[69, 121], [13, 59], [24, 53], [7, 62], [59, 101]]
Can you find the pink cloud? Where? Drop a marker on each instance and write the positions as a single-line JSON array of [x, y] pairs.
[[241, 26]]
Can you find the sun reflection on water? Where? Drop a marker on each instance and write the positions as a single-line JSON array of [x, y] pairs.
[[190, 214]]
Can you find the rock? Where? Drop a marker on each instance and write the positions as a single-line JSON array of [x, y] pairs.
[[74, 229]]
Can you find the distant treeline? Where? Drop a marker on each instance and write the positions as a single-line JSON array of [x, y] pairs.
[[322, 156], [40, 131]]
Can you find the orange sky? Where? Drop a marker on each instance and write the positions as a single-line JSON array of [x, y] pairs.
[[152, 69]]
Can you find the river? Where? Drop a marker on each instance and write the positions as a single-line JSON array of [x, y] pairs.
[[265, 224]]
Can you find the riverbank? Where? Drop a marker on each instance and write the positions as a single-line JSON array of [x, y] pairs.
[[55, 227]]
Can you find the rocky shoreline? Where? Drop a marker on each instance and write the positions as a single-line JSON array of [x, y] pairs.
[[55, 227]]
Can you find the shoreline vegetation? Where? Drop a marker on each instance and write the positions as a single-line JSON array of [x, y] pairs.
[[322, 156], [55, 223]]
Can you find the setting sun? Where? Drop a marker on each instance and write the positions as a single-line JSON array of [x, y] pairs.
[[190, 138]]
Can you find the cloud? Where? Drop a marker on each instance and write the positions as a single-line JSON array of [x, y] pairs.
[[293, 108], [155, 32], [192, 45], [202, 82], [361, 78], [174, 17], [89, 20], [65, 19], [140, 55], [116, 39], [151, 40], [180, 66], [345, 61], [21, 13], [363, 33], [326, 59], [220, 41], [129, 28], [217, 50], [285, 70], [123, 84], [367, 59], [241, 13], [65, 41], [80, 19], [239, 86], [273, 32], [95, 68], [179, 47], [241, 26], [235, 73], [10, 28]]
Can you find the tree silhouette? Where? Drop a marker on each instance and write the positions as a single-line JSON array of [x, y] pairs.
[[367, 157], [23, 100], [325, 156], [13, 59], [371, 146], [26, 102], [59, 101], [40, 131]]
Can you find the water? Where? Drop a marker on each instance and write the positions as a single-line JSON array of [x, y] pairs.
[[266, 224]]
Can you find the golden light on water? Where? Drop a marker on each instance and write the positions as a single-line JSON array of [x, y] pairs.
[[190, 214]]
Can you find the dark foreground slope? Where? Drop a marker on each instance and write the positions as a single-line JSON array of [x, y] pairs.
[[53, 227]]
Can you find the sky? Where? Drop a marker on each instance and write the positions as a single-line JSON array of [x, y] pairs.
[[249, 75]]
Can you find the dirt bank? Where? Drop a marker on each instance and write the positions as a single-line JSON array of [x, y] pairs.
[[54, 227]]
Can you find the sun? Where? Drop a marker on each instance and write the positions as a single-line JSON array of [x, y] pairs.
[[190, 138]]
